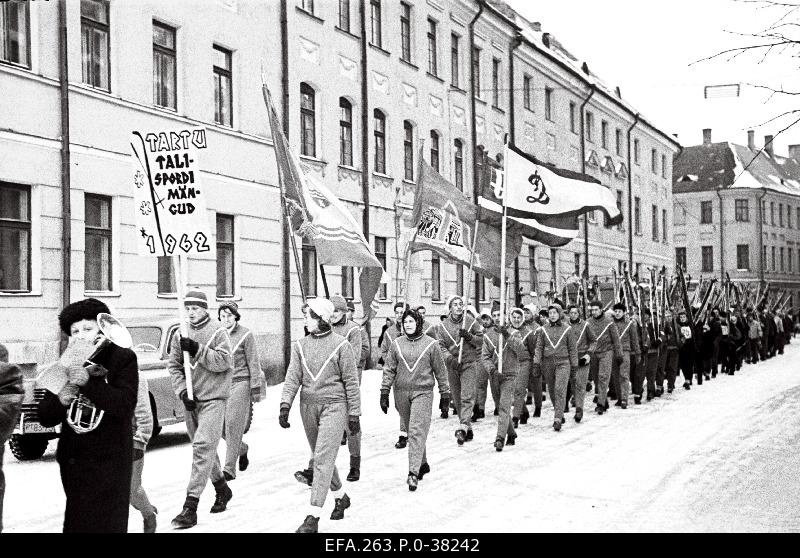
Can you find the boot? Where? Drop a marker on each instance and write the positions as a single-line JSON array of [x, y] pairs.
[[498, 444], [557, 425], [496, 411], [412, 482], [529, 400], [623, 404], [188, 516], [224, 495], [588, 387], [595, 399], [244, 462], [461, 437], [482, 414], [600, 409], [470, 435], [227, 476], [525, 415], [687, 385], [355, 469], [423, 470], [537, 412], [150, 521], [618, 403], [310, 525], [341, 504], [444, 414], [476, 414], [515, 420], [402, 442], [578, 415], [637, 399], [306, 476], [511, 439]]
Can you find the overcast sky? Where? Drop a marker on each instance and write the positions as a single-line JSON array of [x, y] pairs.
[[645, 47]]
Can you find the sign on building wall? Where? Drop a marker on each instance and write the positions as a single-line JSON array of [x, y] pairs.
[[169, 198]]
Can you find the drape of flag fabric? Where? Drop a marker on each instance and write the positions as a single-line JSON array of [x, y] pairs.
[[533, 189], [317, 214], [445, 221]]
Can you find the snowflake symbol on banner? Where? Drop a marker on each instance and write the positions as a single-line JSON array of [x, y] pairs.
[[138, 179], [146, 208]]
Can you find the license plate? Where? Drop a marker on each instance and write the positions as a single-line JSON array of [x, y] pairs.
[[36, 428]]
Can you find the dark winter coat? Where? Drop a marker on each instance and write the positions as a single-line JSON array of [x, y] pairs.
[[11, 394], [96, 466]]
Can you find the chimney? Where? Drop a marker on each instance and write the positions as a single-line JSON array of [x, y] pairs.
[[537, 26], [751, 140], [794, 152], [546, 39], [768, 145], [706, 136]]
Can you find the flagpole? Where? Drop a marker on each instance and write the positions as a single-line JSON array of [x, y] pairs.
[[503, 258], [472, 260], [324, 280]]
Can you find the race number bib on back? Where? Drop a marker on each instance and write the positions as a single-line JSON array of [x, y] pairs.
[[686, 331], [724, 330]]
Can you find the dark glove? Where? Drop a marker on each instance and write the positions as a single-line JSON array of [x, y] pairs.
[[190, 346], [190, 404], [584, 360], [283, 418], [353, 425], [444, 402], [384, 401], [97, 371], [138, 454], [573, 371], [619, 360], [505, 331], [465, 334]]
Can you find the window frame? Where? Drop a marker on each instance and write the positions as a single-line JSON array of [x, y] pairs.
[[435, 160], [169, 278], [589, 131], [664, 227], [345, 132], [99, 231], [383, 292], [408, 150], [618, 141], [379, 141], [458, 163], [527, 80], [548, 104], [636, 148], [637, 215], [707, 259], [496, 82], [436, 277], [219, 75], [742, 255], [476, 71], [405, 32], [348, 282], [222, 246], [433, 47], [26, 225], [308, 115], [455, 59], [680, 256], [166, 52], [533, 269], [741, 209], [344, 15], [94, 25], [654, 226], [706, 212], [376, 17], [604, 134], [27, 63]]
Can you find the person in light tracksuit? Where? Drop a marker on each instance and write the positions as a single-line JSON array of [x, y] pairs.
[[527, 335], [585, 343], [556, 354], [485, 381], [608, 351], [629, 340], [413, 363], [143, 430]]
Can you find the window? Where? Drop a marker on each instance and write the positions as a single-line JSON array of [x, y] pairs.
[[223, 97], [680, 257], [618, 141], [348, 290], [433, 67], [554, 265], [15, 237], [604, 134], [94, 43], [495, 82], [345, 132], [436, 284], [308, 133], [375, 22], [705, 212], [764, 257], [480, 287], [380, 142], [798, 219], [14, 40], [707, 258], [435, 150], [589, 126], [454, 56], [637, 215], [380, 254], [344, 15], [742, 257], [636, 151], [742, 210], [408, 150], [165, 82], [655, 224], [458, 166], [763, 212], [577, 264], [533, 271], [572, 120], [788, 217], [663, 166], [653, 161], [309, 268], [97, 255], [405, 32], [781, 255], [308, 5], [460, 279], [780, 214], [225, 255], [166, 277], [773, 259], [790, 259], [526, 92], [548, 104], [664, 226], [772, 213], [476, 70], [606, 222]]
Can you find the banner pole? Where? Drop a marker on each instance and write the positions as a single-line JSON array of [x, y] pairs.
[[180, 282], [503, 224]]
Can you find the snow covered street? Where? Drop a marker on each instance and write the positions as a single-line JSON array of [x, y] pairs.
[[720, 457]]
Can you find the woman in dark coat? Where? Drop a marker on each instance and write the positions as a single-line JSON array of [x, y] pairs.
[[96, 465]]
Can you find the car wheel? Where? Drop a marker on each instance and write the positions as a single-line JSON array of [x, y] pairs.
[[28, 448]]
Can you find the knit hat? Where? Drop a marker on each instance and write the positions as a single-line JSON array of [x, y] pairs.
[[322, 307], [554, 306], [495, 306], [196, 297], [451, 298], [531, 307], [619, 306], [339, 303], [232, 307], [470, 309], [86, 309], [518, 311]]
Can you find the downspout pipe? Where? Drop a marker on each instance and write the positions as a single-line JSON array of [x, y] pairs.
[[721, 239], [761, 256], [365, 169], [66, 183], [593, 88], [285, 240], [515, 43], [473, 126], [630, 195]]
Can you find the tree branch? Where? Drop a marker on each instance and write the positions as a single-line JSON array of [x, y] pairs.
[[760, 151]]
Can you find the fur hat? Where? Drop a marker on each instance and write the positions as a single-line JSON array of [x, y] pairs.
[[322, 307], [86, 309], [619, 306], [232, 307], [339, 303], [196, 297]]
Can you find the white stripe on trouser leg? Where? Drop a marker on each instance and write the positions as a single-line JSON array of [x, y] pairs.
[[324, 425], [204, 425], [237, 412]]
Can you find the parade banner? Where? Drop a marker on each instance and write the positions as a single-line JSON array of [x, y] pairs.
[[169, 199]]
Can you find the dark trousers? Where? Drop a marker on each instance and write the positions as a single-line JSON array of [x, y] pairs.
[[98, 494], [755, 350], [686, 363], [671, 367], [715, 360], [638, 372], [651, 370], [2, 484]]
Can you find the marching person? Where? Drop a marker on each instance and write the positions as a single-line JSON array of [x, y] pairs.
[[210, 357], [608, 351], [639, 368], [362, 362], [754, 336], [460, 332], [414, 362], [524, 362], [556, 354], [535, 393], [629, 341], [143, 430], [11, 395], [715, 333], [323, 369], [391, 333], [95, 465], [426, 325], [667, 356], [585, 344], [731, 345], [486, 382], [651, 356], [686, 348], [245, 388], [507, 381]]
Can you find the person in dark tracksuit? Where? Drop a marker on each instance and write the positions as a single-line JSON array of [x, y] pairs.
[[654, 341], [323, 369], [715, 325], [507, 381], [413, 364], [668, 359], [639, 370], [686, 348]]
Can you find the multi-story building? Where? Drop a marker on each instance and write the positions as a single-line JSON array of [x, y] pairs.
[[737, 213], [360, 86]]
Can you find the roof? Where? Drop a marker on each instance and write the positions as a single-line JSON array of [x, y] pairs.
[[722, 165]]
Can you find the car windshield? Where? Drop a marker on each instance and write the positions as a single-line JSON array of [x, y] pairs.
[[145, 338]]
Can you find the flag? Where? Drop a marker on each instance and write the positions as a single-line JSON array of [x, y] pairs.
[[445, 221], [535, 189], [552, 231], [317, 214]]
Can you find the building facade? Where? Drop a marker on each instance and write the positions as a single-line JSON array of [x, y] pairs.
[[361, 86], [736, 213]]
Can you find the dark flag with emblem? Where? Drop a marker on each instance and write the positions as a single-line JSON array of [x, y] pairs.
[[445, 221]]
